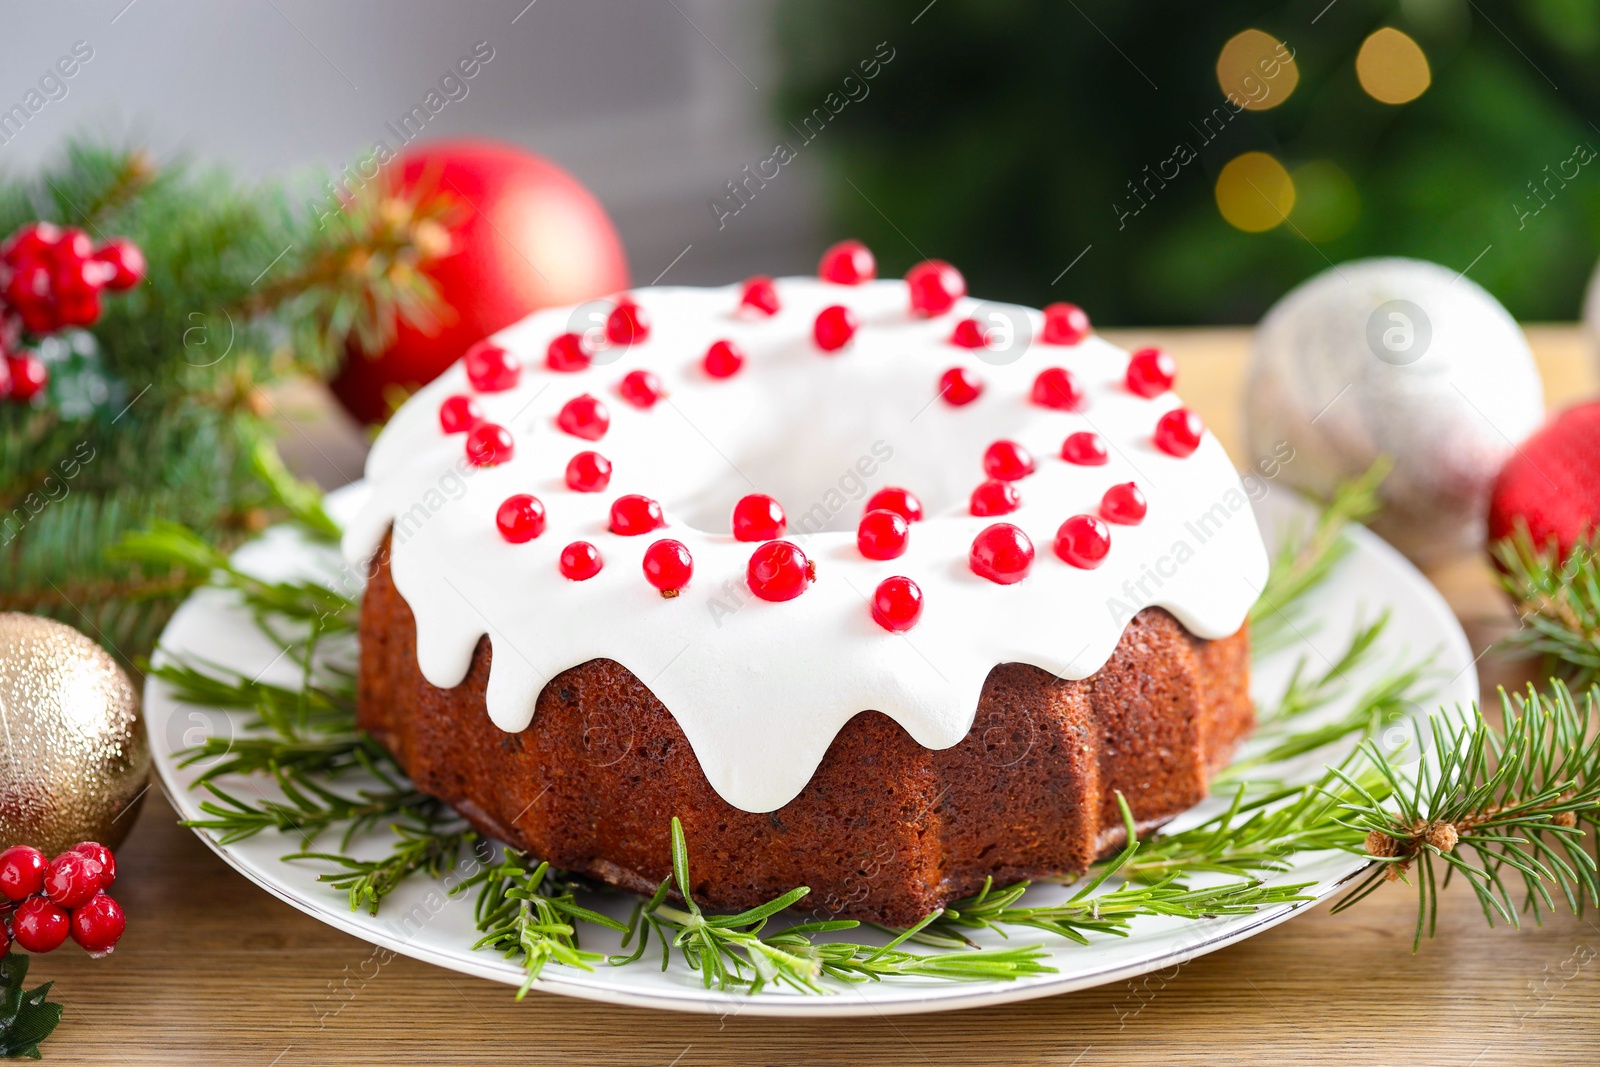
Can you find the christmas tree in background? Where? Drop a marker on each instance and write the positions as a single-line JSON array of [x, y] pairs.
[[156, 406]]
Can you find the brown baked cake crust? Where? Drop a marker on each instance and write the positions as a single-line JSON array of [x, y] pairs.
[[885, 831]]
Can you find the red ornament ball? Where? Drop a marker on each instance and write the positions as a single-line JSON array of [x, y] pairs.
[[723, 359], [1083, 541], [458, 414], [1179, 432], [584, 416], [760, 296], [1151, 372], [1064, 324], [628, 323], [489, 444], [779, 571], [668, 566], [641, 389], [834, 327], [490, 368], [848, 263], [897, 604], [520, 518], [959, 386], [1001, 553], [40, 925], [634, 514], [98, 925], [935, 287], [1085, 448], [758, 517], [1059, 388], [1124, 504], [1008, 461], [566, 354], [1552, 482], [995, 498], [588, 472], [580, 561], [22, 870], [883, 534], [902, 502]]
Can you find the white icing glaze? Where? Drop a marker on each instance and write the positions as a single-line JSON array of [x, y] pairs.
[[760, 689]]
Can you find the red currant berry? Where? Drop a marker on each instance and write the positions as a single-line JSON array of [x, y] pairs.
[[1001, 553], [489, 444], [520, 518], [22, 872], [1151, 372], [581, 561], [969, 333], [1065, 324], [995, 498], [897, 604], [633, 515], [125, 260], [668, 566], [1124, 504], [1057, 387], [98, 925], [959, 386], [723, 359], [458, 414], [103, 856], [491, 369], [566, 354], [71, 879], [848, 263], [935, 287], [1083, 541], [641, 389], [778, 570], [28, 375], [588, 472], [584, 416], [628, 323], [1178, 432], [883, 535], [834, 327], [758, 517], [39, 925], [1008, 461], [760, 295], [900, 501], [1084, 448]]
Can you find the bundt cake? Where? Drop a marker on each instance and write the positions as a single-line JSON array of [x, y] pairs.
[[762, 557]]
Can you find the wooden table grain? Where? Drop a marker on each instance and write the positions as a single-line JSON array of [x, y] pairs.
[[216, 971]]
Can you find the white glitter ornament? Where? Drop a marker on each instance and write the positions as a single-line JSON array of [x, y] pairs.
[[1402, 358]]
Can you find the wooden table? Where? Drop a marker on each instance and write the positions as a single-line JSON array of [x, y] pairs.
[[215, 971]]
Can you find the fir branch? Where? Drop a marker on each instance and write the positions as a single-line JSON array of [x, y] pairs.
[[419, 848], [1557, 599]]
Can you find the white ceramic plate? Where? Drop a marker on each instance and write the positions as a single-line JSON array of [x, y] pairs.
[[422, 921]]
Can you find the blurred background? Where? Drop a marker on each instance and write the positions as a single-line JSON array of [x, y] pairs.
[[1085, 151]]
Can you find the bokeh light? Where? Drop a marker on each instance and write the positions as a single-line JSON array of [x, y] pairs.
[[1257, 70], [1392, 67], [1254, 192]]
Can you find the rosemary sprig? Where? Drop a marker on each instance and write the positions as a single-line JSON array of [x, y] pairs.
[[1558, 600], [418, 849]]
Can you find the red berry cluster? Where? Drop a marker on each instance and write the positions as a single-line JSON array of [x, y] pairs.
[[47, 900], [51, 278]]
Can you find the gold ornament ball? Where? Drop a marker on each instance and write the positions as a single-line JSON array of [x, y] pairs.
[[74, 760]]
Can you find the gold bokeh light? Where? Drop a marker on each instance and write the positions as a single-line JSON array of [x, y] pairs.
[[1392, 67], [1257, 70], [1254, 192]]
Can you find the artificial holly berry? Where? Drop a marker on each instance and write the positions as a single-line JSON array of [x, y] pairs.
[[779, 571], [668, 566], [641, 389], [969, 333], [22, 870], [1057, 387], [520, 518], [1552, 482], [633, 515], [30, 241], [1001, 553], [1178, 433], [97, 926], [581, 561], [883, 534], [1008, 461], [902, 502], [848, 263], [566, 353], [125, 260], [1085, 448], [584, 416], [458, 414], [960, 386], [1083, 541], [1124, 504], [935, 287], [995, 498], [723, 359], [1151, 372], [758, 517], [71, 878], [489, 444], [897, 604], [40, 925], [834, 327], [1064, 324], [760, 295], [490, 368], [628, 323], [588, 472], [103, 856]]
